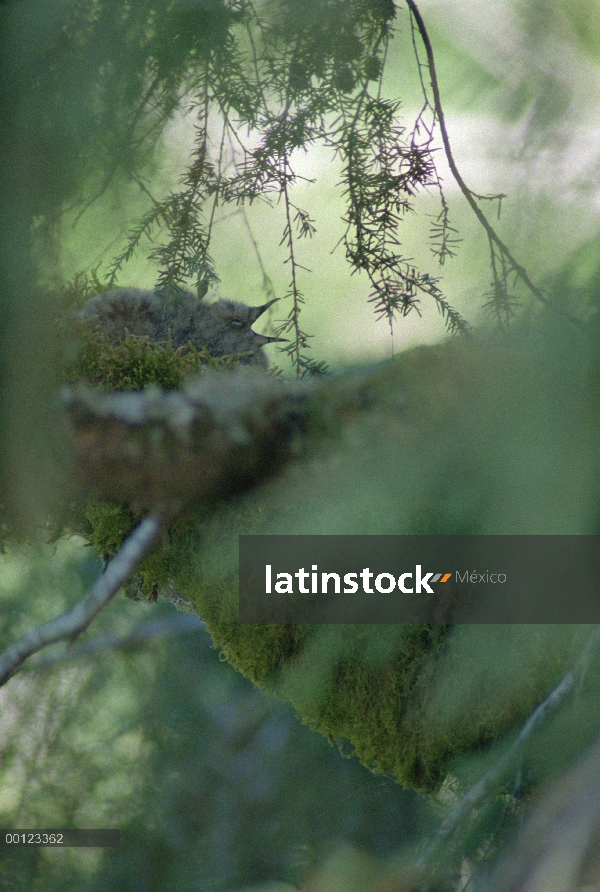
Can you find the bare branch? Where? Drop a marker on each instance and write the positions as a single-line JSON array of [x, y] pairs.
[[134, 639], [492, 778], [76, 620]]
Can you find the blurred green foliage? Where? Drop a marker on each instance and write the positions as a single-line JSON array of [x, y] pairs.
[[169, 743], [212, 784]]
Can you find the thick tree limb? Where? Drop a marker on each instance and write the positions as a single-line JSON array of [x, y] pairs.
[[75, 621], [218, 435]]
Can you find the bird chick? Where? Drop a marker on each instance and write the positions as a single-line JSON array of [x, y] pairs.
[[223, 327]]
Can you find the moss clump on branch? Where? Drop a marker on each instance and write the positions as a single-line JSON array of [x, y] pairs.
[[407, 700], [136, 361]]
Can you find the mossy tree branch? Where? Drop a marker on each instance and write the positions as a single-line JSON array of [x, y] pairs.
[[164, 450]]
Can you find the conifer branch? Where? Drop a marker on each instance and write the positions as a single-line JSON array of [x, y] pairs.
[[471, 196]]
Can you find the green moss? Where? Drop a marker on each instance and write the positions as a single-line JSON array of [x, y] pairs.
[[135, 362], [107, 525], [411, 700]]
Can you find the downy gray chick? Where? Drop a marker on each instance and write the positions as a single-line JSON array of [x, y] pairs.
[[223, 327]]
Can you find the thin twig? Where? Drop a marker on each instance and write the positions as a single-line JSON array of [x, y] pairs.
[[117, 161], [138, 637], [294, 290], [267, 282], [493, 777], [468, 193], [76, 620]]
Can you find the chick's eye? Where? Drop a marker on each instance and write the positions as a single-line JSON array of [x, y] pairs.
[[236, 322]]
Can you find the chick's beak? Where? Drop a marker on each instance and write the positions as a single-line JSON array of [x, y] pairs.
[[255, 312], [261, 340]]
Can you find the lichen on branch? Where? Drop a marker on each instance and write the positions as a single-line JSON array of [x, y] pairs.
[[198, 444]]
